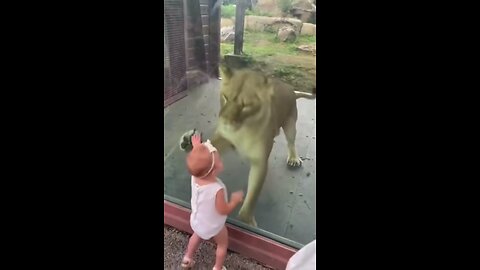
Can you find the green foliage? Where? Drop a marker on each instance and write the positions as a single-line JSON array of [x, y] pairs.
[[258, 12], [228, 12], [248, 59], [226, 48], [285, 5], [273, 46], [306, 40], [287, 72]]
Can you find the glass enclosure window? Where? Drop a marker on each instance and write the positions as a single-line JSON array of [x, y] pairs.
[[279, 46]]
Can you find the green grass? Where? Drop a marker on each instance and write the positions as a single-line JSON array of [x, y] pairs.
[[228, 12], [261, 44], [258, 12], [307, 40], [285, 5], [288, 73]]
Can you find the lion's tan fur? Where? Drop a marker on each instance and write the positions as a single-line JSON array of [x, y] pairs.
[[253, 109]]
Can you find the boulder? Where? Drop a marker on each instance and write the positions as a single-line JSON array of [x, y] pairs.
[[224, 22], [308, 49], [309, 29], [305, 10], [270, 6], [287, 34], [304, 4], [272, 24]]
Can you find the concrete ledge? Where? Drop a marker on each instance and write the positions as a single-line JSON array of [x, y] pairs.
[[262, 249], [235, 61]]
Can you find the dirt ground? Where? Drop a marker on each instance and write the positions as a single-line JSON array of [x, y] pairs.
[[175, 243]]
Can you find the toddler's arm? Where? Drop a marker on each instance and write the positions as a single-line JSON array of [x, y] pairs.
[[225, 208]]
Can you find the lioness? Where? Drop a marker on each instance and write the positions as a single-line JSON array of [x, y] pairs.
[[252, 110]]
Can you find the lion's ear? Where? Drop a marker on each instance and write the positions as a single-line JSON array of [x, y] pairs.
[[226, 71], [268, 82], [267, 93]]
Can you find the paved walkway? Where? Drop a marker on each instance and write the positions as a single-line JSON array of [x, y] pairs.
[[176, 242]]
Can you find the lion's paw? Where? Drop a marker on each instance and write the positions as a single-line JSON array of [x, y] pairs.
[[248, 219], [186, 141], [294, 162]]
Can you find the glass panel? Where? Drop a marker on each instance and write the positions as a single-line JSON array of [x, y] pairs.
[[280, 53]]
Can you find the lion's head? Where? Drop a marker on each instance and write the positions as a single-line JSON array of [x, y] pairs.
[[245, 97]]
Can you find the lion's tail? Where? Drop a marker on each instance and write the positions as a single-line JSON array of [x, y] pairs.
[[313, 95]]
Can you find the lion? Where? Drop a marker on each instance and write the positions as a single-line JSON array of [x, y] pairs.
[[253, 108]]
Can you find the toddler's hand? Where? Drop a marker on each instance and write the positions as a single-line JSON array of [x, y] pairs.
[[196, 139], [187, 140], [237, 196]]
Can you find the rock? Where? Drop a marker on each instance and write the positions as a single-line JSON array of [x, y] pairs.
[[224, 22], [226, 30], [272, 24], [227, 34], [270, 6], [308, 49], [287, 34], [304, 15], [309, 29], [305, 10], [304, 4]]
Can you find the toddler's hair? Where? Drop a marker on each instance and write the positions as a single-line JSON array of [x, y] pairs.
[[199, 161]]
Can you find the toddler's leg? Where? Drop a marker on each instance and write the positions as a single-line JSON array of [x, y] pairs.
[[193, 245], [222, 244]]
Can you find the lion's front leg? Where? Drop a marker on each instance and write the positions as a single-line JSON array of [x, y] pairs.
[[256, 178], [290, 130], [186, 141]]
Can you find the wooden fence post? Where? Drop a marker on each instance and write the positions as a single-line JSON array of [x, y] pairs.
[[239, 25]]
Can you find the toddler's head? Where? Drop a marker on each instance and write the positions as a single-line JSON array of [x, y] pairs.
[[204, 161]]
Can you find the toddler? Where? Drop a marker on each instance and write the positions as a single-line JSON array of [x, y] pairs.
[[210, 205]]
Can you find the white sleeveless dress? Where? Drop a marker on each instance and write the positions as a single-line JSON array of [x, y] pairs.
[[305, 258], [205, 220]]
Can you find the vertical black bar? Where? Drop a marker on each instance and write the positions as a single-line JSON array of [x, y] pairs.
[[214, 48], [239, 24]]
